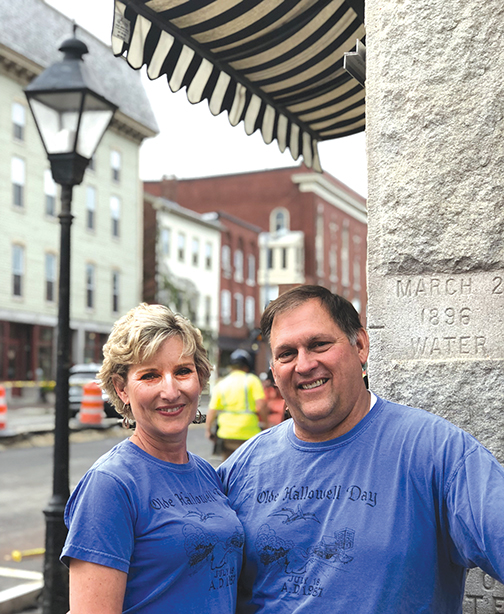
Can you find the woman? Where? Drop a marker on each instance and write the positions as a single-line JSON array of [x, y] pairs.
[[150, 529]]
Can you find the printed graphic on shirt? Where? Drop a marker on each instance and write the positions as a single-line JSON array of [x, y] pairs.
[[305, 569], [293, 515], [299, 541], [203, 517], [204, 547], [206, 550], [331, 550], [335, 493]]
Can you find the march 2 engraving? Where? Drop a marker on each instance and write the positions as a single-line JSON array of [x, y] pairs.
[[445, 317]]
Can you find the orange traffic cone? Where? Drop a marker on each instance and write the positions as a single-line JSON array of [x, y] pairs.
[[91, 409], [3, 409]]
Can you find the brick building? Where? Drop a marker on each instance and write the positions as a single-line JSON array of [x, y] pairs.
[[239, 291], [315, 226], [311, 229]]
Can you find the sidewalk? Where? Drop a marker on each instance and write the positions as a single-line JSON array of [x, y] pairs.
[[20, 588]]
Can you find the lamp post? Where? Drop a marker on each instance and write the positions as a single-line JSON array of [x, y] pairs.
[[71, 117]]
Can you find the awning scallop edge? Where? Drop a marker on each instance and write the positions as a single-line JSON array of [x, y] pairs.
[[275, 66]]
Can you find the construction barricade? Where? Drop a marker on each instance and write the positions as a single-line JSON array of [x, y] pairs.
[[91, 409], [3, 409]]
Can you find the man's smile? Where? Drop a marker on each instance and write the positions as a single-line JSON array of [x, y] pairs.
[[315, 384]]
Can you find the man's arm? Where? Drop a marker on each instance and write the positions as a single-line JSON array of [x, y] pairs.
[[262, 412], [210, 419], [96, 588], [475, 503]]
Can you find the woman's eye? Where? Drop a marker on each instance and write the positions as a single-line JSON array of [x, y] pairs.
[[185, 371], [148, 376]]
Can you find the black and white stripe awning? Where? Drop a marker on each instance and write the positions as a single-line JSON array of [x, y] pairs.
[[276, 65]]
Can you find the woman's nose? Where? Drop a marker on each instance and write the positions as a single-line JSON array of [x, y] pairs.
[[170, 388]]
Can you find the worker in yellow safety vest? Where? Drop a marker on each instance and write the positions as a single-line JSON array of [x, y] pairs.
[[238, 403]]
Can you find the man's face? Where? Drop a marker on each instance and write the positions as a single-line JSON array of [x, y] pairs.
[[318, 372]]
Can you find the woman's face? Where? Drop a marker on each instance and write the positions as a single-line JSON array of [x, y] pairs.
[[163, 393]]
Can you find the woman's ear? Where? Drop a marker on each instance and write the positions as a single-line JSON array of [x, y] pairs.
[[120, 387]]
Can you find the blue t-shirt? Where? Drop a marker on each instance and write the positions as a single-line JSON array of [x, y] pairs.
[[168, 526], [384, 519]]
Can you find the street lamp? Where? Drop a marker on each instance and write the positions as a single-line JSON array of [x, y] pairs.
[[71, 117]]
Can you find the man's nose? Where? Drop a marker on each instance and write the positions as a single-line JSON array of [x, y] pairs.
[[305, 361]]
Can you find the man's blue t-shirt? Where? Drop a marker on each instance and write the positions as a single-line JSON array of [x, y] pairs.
[[168, 526], [384, 519]]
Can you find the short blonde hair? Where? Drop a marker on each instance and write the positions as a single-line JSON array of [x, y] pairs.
[[137, 336]]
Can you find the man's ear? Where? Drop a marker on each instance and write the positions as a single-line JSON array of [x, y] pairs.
[[120, 388], [272, 368], [362, 345]]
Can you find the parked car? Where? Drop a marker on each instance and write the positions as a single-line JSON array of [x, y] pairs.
[[79, 376]]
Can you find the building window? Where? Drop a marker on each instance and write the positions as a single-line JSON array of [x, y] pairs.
[[115, 291], [50, 278], [165, 241], [18, 121], [250, 311], [115, 213], [319, 245], [333, 263], [226, 307], [251, 269], [17, 270], [284, 257], [50, 193], [238, 305], [345, 256], [195, 252], [90, 285], [226, 260], [18, 181], [90, 207], [279, 220], [238, 265], [269, 256], [115, 165], [208, 256], [356, 264], [181, 247], [208, 311]]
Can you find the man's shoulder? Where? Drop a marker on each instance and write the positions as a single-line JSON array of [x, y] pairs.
[[259, 448], [422, 425]]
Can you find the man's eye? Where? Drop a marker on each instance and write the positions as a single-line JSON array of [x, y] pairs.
[[285, 356], [320, 346]]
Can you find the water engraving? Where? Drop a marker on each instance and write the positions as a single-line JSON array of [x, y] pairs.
[[445, 317]]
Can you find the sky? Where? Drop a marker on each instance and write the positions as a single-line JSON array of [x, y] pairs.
[[194, 143]]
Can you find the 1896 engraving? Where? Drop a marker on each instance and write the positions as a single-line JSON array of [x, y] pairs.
[[445, 317]]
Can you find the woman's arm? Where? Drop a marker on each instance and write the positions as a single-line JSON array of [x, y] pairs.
[[96, 588]]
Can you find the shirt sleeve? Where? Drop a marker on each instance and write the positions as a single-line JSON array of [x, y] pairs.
[[100, 519], [475, 507]]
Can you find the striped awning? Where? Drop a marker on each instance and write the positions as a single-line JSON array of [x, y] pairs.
[[275, 65]]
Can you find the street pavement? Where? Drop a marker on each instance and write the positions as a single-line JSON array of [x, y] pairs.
[[21, 578]]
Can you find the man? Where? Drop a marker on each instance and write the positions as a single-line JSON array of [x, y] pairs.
[[238, 402], [357, 505]]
